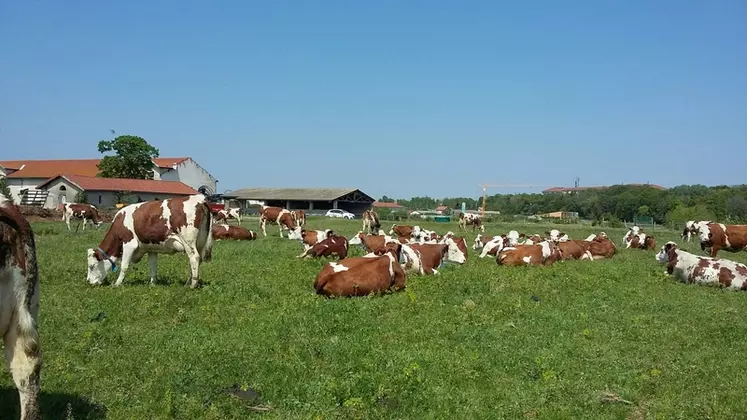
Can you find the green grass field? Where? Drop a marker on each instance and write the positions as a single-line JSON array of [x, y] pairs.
[[470, 343]]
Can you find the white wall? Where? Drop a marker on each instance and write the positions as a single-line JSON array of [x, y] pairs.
[[15, 185], [60, 191], [192, 174]]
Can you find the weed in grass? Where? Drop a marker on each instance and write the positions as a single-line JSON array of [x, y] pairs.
[[476, 341]]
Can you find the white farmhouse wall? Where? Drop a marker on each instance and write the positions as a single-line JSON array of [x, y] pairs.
[[192, 174], [15, 185], [60, 192]]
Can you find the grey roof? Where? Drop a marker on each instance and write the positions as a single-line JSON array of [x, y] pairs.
[[312, 194]]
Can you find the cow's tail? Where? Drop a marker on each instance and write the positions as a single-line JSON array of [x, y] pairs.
[[205, 235], [26, 310]]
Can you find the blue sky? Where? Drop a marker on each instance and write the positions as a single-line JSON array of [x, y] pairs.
[[396, 98]]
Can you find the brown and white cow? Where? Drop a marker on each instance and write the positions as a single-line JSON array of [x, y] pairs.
[[19, 307], [334, 245], [232, 213], [633, 231], [238, 233], [717, 236], [181, 224], [641, 241], [575, 250], [556, 236], [402, 231], [532, 239], [82, 211], [361, 276], [470, 219], [309, 238], [371, 222], [601, 247], [544, 253], [299, 216], [690, 268], [277, 215], [370, 243], [494, 246], [481, 240]]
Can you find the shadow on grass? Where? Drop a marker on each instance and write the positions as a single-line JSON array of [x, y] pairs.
[[53, 406]]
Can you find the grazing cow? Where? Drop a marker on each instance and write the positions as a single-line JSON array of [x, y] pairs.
[[556, 236], [371, 222], [403, 231], [544, 253], [278, 215], [19, 307], [717, 236], [690, 268], [370, 243], [233, 232], [181, 224], [299, 216], [224, 215], [470, 219], [82, 211], [575, 250], [360, 276], [333, 245], [641, 241]]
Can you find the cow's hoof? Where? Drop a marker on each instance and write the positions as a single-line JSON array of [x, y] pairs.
[[193, 285]]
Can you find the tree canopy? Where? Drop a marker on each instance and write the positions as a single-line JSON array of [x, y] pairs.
[[133, 158], [674, 205]]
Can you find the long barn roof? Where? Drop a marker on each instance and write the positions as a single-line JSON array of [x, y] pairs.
[[293, 194]]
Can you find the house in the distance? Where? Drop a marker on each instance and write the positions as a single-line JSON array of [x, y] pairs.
[[380, 205], [24, 176], [107, 192]]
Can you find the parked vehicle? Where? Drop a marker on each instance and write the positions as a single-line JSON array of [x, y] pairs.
[[340, 213]]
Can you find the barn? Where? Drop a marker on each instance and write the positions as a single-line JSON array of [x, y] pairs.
[[312, 200]]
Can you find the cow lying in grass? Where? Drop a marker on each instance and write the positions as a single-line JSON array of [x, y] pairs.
[[333, 245], [544, 253], [361, 276], [690, 268], [233, 232], [19, 307]]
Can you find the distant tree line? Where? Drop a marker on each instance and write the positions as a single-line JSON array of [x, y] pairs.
[[671, 206]]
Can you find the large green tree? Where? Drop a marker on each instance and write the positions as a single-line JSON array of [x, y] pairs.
[[132, 158]]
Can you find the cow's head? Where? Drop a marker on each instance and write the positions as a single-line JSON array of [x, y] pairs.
[[551, 252], [457, 251], [478, 242], [513, 238], [706, 236], [391, 231], [99, 265], [357, 239], [298, 233], [663, 256]]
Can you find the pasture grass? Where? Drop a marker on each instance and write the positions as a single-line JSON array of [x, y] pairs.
[[471, 343]]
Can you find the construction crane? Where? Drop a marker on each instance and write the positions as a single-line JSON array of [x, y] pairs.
[[486, 186]]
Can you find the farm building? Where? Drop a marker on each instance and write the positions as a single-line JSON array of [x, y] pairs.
[[104, 192], [378, 205], [24, 176], [310, 199]]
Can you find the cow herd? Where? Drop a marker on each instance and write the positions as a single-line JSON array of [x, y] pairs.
[[186, 225]]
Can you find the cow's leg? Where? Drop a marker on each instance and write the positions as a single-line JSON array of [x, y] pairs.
[[194, 267], [67, 222], [85, 222], [24, 362], [127, 253], [262, 223], [153, 264], [280, 226]]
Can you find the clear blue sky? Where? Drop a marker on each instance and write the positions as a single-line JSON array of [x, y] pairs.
[[397, 98]]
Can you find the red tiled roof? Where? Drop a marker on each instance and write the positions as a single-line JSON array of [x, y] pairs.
[[569, 189], [94, 183], [168, 162], [52, 167], [442, 208], [386, 205]]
